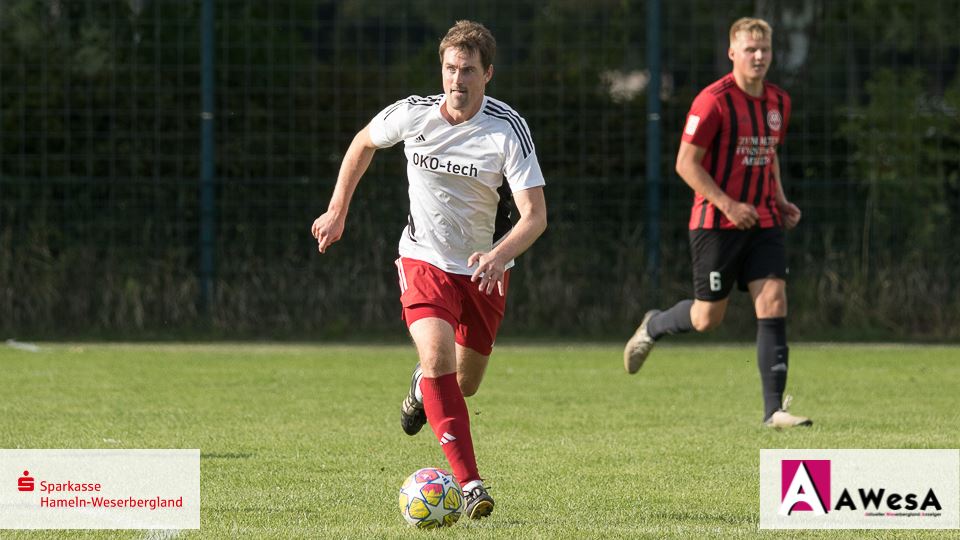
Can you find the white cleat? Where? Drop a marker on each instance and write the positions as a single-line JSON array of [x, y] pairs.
[[783, 420], [639, 345]]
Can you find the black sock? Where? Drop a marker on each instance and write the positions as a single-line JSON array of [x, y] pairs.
[[675, 320], [772, 361]]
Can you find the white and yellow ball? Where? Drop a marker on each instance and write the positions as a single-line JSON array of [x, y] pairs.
[[431, 498]]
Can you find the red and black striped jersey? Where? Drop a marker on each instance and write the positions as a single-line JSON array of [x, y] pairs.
[[740, 134]]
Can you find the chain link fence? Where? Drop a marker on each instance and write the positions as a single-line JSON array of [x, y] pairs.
[[100, 162]]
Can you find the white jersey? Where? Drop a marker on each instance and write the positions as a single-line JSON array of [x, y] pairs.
[[461, 177]]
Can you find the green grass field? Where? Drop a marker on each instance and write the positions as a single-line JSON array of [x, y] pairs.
[[305, 442]]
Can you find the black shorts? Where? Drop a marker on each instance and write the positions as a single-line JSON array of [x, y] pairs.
[[721, 256]]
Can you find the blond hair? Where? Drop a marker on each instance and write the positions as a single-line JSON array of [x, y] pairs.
[[757, 28], [471, 36]]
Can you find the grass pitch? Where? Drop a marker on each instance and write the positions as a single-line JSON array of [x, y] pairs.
[[305, 442]]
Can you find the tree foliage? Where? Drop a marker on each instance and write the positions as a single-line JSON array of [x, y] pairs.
[[99, 159]]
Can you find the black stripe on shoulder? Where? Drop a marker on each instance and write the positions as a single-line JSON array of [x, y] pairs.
[[515, 121], [423, 101], [392, 108], [523, 143], [428, 101], [722, 88], [512, 113]]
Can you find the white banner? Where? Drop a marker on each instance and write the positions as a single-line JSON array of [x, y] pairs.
[[859, 489], [100, 489]]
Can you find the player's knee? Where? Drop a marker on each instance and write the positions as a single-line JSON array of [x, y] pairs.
[[705, 321], [772, 306], [436, 363], [468, 387]]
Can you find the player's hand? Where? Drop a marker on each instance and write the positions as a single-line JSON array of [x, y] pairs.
[[327, 229], [742, 215], [489, 272], [791, 214]]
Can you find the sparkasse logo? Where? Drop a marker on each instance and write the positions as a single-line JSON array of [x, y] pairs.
[[25, 483], [71, 488]]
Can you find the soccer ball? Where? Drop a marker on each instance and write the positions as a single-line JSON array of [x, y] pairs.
[[431, 498]]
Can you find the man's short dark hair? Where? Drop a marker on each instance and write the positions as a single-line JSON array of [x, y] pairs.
[[471, 36]]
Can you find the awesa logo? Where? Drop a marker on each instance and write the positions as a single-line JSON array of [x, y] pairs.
[[805, 487]]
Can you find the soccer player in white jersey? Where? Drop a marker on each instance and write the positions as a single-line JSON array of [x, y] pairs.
[[467, 156]]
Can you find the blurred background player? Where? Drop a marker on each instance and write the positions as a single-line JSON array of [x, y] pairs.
[[728, 156], [467, 156]]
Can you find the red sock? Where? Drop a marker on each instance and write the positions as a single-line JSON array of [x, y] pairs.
[[448, 416]]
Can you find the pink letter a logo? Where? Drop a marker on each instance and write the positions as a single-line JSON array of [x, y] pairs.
[[805, 486]]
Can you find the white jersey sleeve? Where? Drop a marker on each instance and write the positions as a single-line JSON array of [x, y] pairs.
[[520, 165], [394, 123]]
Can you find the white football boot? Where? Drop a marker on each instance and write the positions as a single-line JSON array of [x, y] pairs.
[[782, 419], [639, 345]]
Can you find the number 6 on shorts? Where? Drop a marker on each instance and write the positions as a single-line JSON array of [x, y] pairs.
[[715, 284]]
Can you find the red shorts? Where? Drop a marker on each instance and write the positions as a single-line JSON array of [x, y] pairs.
[[427, 291]]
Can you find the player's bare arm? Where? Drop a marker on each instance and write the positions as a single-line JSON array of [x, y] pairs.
[[533, 221], [690, 168], [790, 212], [328, 228]]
